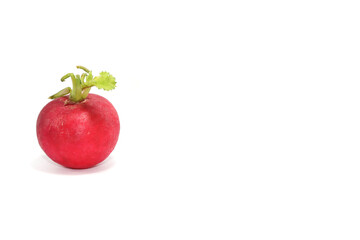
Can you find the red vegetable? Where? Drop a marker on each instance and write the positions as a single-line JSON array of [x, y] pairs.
[[82, 129]]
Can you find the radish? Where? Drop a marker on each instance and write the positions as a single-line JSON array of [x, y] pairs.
[[78, 129]]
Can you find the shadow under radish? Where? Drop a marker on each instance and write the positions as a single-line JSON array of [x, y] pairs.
[[44, 164]]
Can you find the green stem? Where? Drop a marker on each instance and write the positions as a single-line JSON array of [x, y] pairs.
[[82, 84], [85, 92], [75, 94], [83, 68], [83, 78], [66, 76], [61, 93]]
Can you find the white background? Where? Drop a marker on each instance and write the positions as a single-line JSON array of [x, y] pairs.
[[239, 119]]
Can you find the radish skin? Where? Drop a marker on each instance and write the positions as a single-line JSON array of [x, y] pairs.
[[78, 134]]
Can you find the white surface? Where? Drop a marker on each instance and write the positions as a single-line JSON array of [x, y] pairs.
[[239, 120]]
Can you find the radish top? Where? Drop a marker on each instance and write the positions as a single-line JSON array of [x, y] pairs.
[[82, 84]]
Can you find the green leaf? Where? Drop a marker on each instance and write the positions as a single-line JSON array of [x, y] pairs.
[[104, 81]]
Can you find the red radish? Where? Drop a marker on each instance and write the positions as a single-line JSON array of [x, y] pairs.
[[79, 130]]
